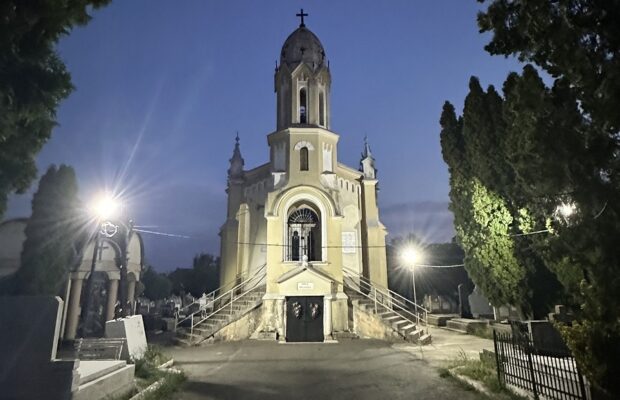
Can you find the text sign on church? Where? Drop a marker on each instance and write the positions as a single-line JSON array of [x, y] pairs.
[[349, 242], [305, 285]]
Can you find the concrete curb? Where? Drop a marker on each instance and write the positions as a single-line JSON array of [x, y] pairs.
[[471, 382], [155, 385]]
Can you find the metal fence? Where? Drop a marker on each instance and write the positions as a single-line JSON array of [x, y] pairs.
[[520, 364]]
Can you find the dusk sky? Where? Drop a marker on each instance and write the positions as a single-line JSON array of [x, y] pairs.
[[162, 87]]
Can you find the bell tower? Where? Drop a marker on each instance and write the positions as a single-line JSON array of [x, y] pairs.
[[302, 81]]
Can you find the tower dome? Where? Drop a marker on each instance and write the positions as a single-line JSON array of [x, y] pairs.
[[302, 81], [302, 46]]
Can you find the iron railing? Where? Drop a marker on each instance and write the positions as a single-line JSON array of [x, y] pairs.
[[385, 298], [224, 299], [521, 364]]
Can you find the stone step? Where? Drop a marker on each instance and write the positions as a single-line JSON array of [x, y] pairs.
[[425, 339], [345, 335], [440, 319], [399, 323], [391, 318], [465, 325], [415, 335], [407, 329]]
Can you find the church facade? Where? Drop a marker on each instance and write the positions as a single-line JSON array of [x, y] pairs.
[[303, 217]]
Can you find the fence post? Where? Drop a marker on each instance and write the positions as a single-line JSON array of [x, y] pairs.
[[497, 359], [528, 351], [582, 387]]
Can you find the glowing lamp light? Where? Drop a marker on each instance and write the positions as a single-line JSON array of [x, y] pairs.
[[106, 207], [410, 256], [566, 210]]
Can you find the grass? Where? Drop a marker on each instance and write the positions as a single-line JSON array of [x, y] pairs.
[[485, 332], [147, 373], [483, 371]]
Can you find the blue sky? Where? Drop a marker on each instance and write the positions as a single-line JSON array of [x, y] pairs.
[[163, 86]]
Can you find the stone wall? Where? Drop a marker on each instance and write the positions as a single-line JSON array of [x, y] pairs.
[[243, 328], [370, 326]]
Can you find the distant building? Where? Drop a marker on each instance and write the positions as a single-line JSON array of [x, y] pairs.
[[303, 215]]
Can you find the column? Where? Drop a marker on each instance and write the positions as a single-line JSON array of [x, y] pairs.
[[327, 319], [131, 293], [112, 297], [73, 313]]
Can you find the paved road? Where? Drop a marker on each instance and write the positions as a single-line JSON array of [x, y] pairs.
[[356, 369]]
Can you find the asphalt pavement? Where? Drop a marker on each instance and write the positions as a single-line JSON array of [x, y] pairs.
[[351, 369]]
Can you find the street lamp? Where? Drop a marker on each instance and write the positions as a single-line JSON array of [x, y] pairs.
[[412, 256], [112, 230]]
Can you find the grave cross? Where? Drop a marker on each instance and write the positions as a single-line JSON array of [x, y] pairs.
[[302, 15]]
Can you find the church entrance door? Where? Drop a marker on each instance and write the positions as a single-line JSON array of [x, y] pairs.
[[304, 319]]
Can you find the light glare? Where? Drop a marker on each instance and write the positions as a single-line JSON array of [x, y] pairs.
[[105, 207], [410, 256]]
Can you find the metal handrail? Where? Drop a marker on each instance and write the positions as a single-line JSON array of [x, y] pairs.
[[388, 298], [228, 298], [212, 293]]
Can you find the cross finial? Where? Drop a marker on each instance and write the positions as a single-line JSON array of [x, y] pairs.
[[302, 15], [237, 138]]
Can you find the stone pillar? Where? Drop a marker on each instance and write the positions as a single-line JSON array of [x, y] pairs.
[[112, 297], [131, 294], [327, 317], [73, 314]]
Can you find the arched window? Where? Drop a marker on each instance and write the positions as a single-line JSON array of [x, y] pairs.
[[303, 106], [304, 235], [321, 109], [303, 159]]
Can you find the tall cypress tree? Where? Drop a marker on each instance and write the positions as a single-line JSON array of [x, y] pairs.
[[51, 234]]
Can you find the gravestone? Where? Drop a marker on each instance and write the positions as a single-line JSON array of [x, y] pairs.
[[28, 343], [132, 329], [480, 307]]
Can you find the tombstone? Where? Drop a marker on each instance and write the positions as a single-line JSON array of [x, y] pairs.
[[132, 329], [464, 310], [28, 343], [480, 307], [561, 315]]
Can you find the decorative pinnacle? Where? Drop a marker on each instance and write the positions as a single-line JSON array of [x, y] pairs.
[[367, 153], [302, 15]]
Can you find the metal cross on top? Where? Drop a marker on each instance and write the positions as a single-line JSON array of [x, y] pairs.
[[302, 15]]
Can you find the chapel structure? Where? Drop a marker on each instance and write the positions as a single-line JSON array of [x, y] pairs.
[[303, 217]]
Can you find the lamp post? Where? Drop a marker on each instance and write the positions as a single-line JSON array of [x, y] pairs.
[[117, 234], [411, 256]]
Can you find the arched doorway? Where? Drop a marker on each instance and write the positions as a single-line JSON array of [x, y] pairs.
[[93, 323], [303, 234]]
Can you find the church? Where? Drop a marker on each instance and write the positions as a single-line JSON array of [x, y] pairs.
[[303, 220]]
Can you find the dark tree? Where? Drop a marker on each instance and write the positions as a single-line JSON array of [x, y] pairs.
[[568, 145], [203, 277], [156, 285], [33, 81], [52, 232]]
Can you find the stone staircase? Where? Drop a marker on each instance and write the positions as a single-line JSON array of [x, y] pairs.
[[405, 328], [219, 319]]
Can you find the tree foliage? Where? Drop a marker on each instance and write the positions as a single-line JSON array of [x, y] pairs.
[[157, 286], [203, 277], [490, 213], [546, 146], [33, 81], [52, 232]]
